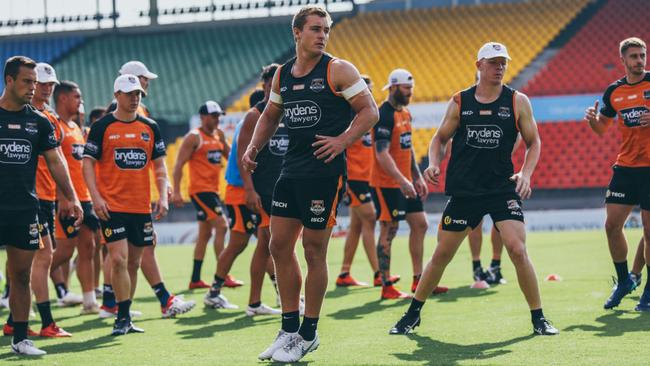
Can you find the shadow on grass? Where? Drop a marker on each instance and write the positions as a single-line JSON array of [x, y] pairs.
[[343, 291], [436, 352], [358, 312], [462, 292], [614, 326], [66, 347], [208, 328]]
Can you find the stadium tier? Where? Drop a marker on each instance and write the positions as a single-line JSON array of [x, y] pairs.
[[45, 49], [439, 45], [193, 65], [590, 60]]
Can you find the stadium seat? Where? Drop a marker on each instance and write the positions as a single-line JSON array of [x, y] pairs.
[[590, 60]]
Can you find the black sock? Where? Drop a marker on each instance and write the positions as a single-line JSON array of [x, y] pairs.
[[621, 271], [10, 320], [162, 293], [20, 332], [415, 307], [46, 313], [255, 304], [647, 284], [217, 284], [417, 277], [123, 310], [536, 314], [272, 277], [377, 274], [344, 274], [291, 321], [308, 328], [476, 264], [495, 263], [61, 290], [196, 271], [108, 296]]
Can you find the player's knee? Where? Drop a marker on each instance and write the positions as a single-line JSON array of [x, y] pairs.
[[120, 262], [314, 255], [20, 277], [613, 226], [133, 264], [278, 250], [518, 254], [43, 258]]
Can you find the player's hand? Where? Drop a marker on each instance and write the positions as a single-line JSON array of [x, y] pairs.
[[78, 212], [432, 174], [523, 188], [407, 189], [591, 114], [161, 207], [248, 160], [644, 120], [177, 199], [329, 147], [101, 208], [253, 200], [170, 191], [421, 188]]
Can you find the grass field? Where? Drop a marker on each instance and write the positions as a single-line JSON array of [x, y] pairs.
[[462, 327]]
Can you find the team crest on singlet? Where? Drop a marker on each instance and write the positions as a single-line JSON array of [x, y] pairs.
[[317, 85], [504, 112]]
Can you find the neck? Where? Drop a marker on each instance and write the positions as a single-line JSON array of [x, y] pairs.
[[487, 91], [207, 130], [305, 61], [633, 78], [124, 115], [64, 115], [9, 104], [38, 104], [394, 103]]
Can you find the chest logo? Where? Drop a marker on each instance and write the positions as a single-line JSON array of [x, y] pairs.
[[78, 151], [301, 114], [504, 112], [484, 136], [405, 140], [16, 151], [632, 116], [279, 144], [130, 158], [317, 85], [214, 156]]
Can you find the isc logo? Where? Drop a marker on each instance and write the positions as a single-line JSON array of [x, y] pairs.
[[130, 158]]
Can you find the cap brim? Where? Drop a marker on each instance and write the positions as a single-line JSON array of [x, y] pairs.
[[150, 75], [386, 87], [128, 91]]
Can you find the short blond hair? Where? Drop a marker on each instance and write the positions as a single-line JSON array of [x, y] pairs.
[[300, 18], [629, 43]]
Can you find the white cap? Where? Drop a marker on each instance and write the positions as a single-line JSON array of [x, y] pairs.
[[137, 68], [399, 77], [492, 50], [45, 73], [210, 107], [127, 83]]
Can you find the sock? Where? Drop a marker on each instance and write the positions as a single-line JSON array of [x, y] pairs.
[[123, 310], [255, 304], [46, 313], [417, 277], [476, 264], [621, 271], [415, 307], [196, 271], [308, 328], [272, 277], [291, 321], [344, 274], [536, 314], [89, 298], [61, 290], [646, 289], [217, 284], [20, 332], [10, 320], [108, 297], [495, 263], [162, 293]]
